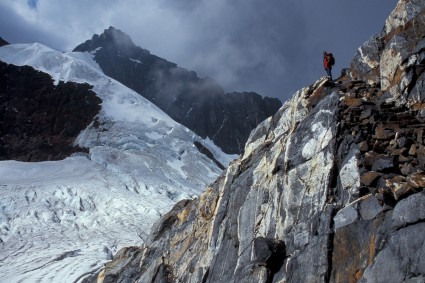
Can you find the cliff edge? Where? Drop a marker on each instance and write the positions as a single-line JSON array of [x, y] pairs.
[[330, 189]]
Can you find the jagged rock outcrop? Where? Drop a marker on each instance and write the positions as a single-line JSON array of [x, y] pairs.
[[330, 189], [39, 120], [199, 104], [3, 42], [395, 59]]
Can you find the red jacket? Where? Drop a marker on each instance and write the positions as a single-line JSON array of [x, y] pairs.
[[325, 61]]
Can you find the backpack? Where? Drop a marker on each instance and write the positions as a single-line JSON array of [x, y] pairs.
[[331, 59]]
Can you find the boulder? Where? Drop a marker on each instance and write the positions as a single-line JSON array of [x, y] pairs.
[[369, 178], [346, 216], [416, 180], [383, 163], [370, 207]]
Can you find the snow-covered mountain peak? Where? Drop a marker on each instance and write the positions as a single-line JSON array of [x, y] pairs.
[[55, 63], [140, 162]]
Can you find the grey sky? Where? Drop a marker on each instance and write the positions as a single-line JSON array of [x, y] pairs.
[[273, 47]]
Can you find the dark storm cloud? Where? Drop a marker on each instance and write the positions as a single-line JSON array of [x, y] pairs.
[[273, 47], [249, 45]]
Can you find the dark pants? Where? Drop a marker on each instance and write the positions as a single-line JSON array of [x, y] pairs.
[[329, 72]]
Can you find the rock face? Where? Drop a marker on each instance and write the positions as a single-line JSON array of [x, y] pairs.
[[40, 120], [395, 58], [3, 42], [199, 104], [329, 189]]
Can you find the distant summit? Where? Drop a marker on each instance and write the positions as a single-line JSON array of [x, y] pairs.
[[111, 38], [3, 42], [198, 103]]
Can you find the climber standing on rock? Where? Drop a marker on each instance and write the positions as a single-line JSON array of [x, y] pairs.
[[328, 62]]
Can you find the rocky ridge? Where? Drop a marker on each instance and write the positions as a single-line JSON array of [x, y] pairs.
[[197, 103], [329, 189], [3, 42], [39, 120]]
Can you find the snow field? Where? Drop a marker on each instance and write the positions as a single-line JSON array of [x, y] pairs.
[[60, 221]]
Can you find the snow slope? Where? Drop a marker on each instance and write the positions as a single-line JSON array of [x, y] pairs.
[[60, 221]]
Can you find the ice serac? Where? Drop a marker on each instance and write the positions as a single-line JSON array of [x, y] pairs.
[[329, 189], [197, 103]]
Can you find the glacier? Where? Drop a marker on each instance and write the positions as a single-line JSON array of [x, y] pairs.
[[54, 214]]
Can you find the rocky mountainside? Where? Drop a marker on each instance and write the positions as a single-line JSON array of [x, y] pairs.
[[39, 120], [199, 104], [330, 189]]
